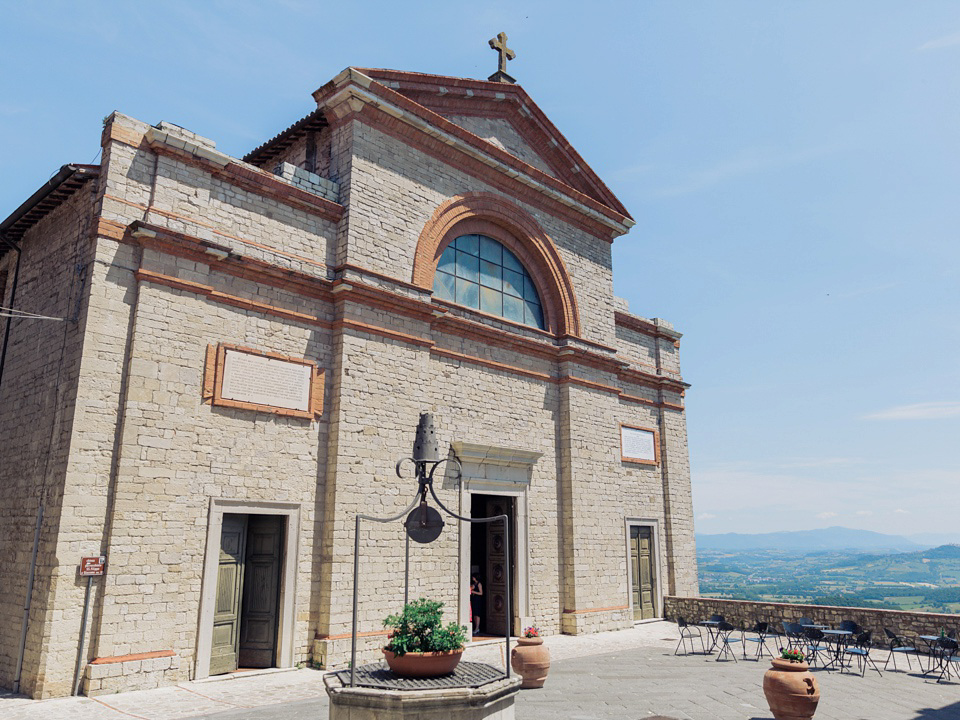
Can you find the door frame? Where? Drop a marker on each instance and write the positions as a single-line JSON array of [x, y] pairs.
[[654, 526], [286, 608], [521, 595]]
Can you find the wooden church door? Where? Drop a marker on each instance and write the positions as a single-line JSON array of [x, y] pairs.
[[496, 575], [258, 626], [642, 572], [247, 601], [226, 618]]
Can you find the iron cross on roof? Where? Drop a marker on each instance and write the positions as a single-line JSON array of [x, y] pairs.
[[499, 43]]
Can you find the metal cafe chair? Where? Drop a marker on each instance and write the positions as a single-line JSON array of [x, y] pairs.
[[724, 630], [860, 649], [793, 632], [851, 626], [817, 649], [898, 646], [688, 632], [949, 649], [760, 633]]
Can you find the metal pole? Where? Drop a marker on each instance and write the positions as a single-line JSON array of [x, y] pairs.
[[506, 547], [26, 605], [356, 575], [406, 573], [83, 637]]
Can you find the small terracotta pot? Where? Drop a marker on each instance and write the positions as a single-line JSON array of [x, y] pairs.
[[792, 691], [531, 659], [423, 665]]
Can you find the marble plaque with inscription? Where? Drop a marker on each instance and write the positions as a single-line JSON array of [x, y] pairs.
[[263, 380], [638, 444]]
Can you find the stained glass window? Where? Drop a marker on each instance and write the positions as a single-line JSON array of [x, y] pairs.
[[480, 273]]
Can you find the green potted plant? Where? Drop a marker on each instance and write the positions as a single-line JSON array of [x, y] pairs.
[[791, 690], [419, 645], [531, 658]]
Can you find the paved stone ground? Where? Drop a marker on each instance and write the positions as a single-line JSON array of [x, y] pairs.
[[623, 675]]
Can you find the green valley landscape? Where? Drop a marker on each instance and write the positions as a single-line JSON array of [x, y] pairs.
[[852, 575]]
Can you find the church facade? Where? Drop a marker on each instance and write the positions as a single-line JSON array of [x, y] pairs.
[[233, 355]]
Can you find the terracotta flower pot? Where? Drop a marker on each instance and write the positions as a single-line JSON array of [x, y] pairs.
[[792, 692], [423, 665], [531, 659]]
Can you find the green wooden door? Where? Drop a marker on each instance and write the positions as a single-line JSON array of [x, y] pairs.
[[261, 591], [226, 618], [643, 574]]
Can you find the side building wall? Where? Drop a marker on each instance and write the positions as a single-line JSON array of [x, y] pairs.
[[173, 463], [39, 400]]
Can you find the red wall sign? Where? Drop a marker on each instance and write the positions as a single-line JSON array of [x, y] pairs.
[[93, 565]]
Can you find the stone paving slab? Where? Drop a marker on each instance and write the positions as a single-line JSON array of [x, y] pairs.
[[624, 675]]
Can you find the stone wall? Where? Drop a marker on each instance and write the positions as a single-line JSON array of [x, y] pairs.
[[745, 614], [38, 396], [384, 225]]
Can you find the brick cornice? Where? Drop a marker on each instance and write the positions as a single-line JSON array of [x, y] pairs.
[[646, 327], [360, 98], [465, 96], [246, 177], [647, 379], [228, 299], [199, 250], [431, 313]]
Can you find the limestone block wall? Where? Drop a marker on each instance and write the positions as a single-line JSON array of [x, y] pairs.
[[394, 189], [176, 453], [170, 192], [501, 133], [37, 405], [115, 482]]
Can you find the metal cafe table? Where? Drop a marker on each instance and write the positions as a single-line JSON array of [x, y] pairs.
[[712, 633], [839, 640], [934, 654]]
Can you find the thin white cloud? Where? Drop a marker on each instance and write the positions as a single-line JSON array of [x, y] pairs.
[[826, 515], [901, 511], [11, 109], [749, 162], [706, 516], [941, 42], [871, 290], [918, 411], [864, 513]]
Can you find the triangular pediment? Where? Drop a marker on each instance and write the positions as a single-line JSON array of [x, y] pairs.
[[504, 116]]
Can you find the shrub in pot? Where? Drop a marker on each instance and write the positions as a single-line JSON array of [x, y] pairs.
[[419, 644]]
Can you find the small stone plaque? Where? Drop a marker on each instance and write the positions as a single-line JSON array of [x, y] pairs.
[[262, 381], [638, 444], [266, 381]]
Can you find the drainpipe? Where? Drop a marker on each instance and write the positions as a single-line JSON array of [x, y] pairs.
[[26, 605], [13, 296]]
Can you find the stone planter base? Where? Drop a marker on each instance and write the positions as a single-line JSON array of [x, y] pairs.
[[492, 700]]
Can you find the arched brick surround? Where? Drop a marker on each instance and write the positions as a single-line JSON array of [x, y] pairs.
[[505, 222]]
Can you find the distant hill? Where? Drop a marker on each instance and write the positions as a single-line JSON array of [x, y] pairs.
[[934, 539], [832, 538]]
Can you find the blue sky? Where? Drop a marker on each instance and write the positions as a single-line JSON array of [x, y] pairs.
[[793, 168]]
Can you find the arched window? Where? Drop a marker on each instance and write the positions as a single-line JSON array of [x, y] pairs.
[[480, 273]]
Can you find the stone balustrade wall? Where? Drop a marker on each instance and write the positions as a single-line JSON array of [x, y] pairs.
[[746, 613]]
